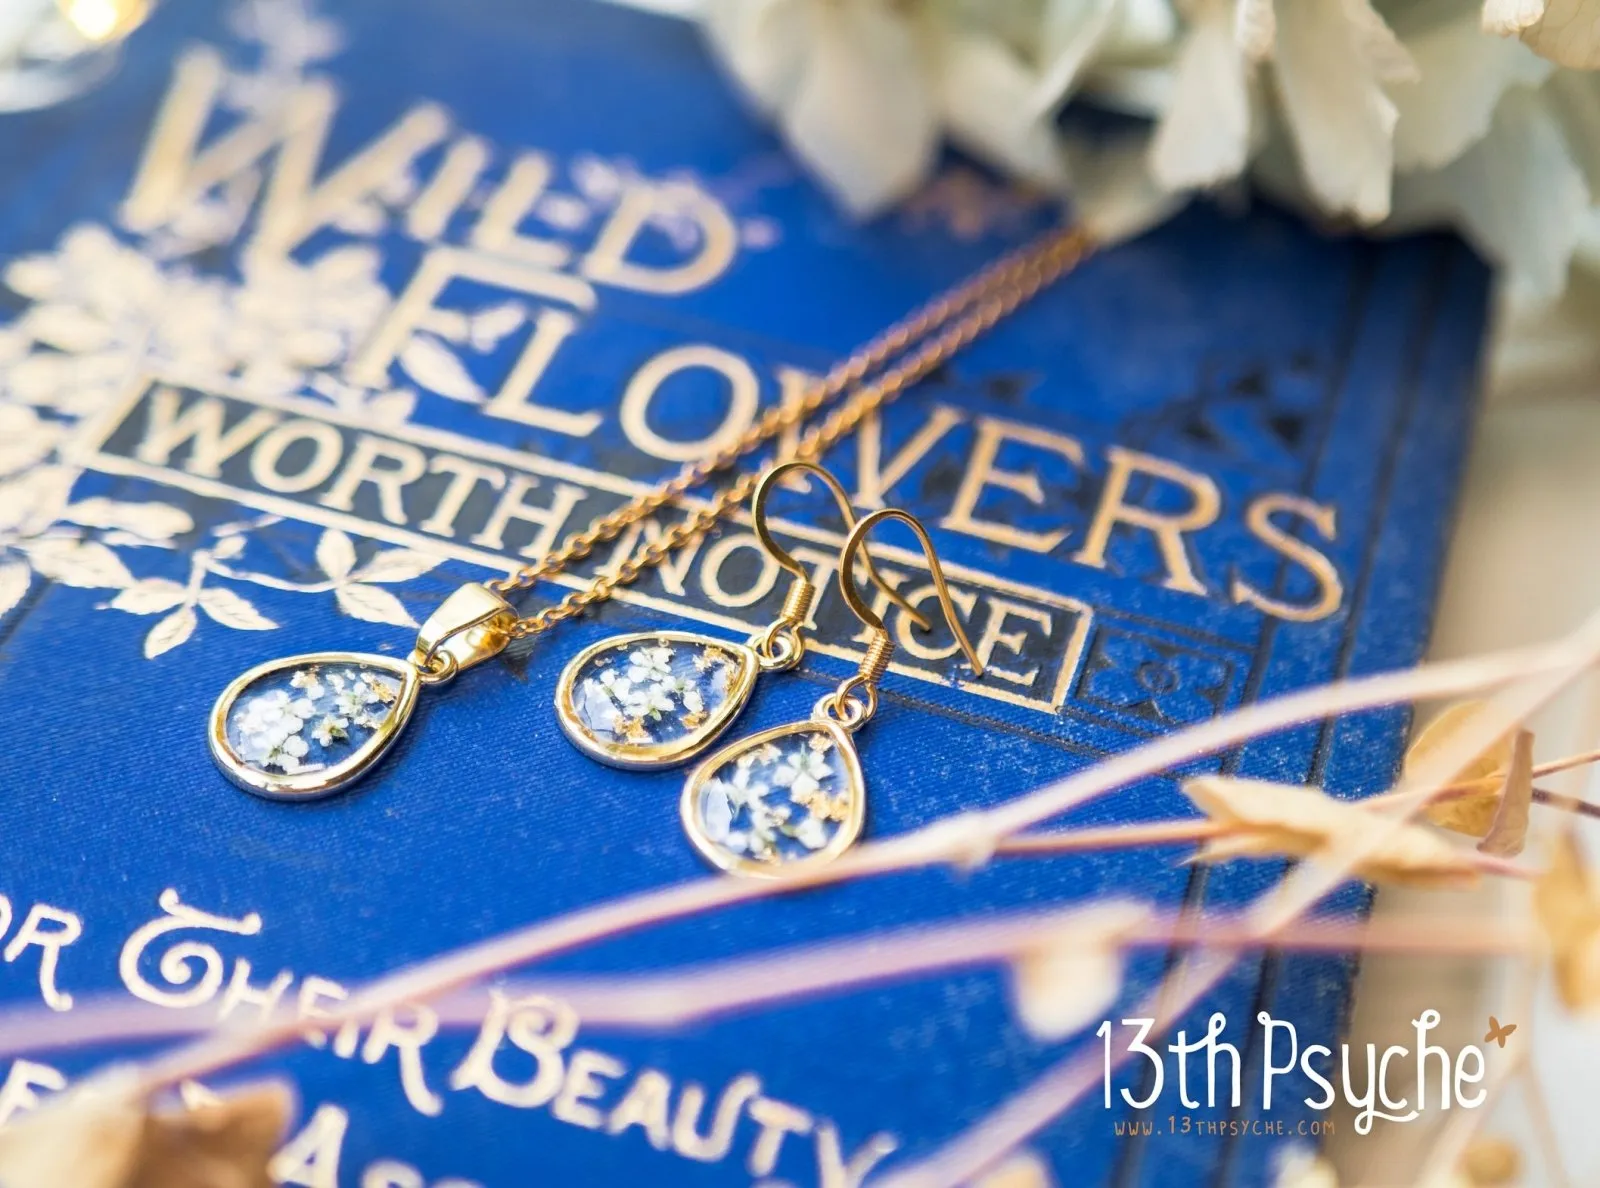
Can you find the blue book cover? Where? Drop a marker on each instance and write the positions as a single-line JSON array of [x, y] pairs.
[[307, 318]]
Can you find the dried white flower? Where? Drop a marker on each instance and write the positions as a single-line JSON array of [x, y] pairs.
[[1429, 114], [864, 90]]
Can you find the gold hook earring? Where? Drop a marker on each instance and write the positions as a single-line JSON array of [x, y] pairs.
[[781, 645], [794, 796], [657, 699]]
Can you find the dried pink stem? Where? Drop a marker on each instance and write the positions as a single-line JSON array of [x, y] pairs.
[[713, 989], [952, 840], [1555, 800], [1549, 767], [1566, 763], [1155, 833], [1504, 867], [1108, 837], [719, 988], [1566, 804], [100, 1019]]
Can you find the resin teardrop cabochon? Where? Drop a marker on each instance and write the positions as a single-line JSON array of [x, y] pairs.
[[772, 803], [307, 726], [654, 699]]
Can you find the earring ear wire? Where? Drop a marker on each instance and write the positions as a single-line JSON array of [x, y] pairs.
[[841, 703], [781, 645], [852, 594]]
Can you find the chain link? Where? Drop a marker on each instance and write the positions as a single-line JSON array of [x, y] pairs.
[[953, 320]]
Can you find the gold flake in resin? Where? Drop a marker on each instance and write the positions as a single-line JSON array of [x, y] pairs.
[[308, 726], [654, 699], [787, 798]]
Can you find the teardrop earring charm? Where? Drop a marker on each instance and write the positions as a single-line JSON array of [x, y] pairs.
[[794, 797], [655, 699]]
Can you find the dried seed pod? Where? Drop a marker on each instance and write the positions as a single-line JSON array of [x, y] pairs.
[[1268, 820]]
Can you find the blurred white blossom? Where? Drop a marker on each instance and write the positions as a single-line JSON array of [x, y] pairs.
[[1393, 116]]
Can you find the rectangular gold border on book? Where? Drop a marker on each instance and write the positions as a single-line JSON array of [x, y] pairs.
[[91, 437]]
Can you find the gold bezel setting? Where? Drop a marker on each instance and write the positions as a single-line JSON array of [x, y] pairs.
[[845, 837], [655, 756], [311, 785]]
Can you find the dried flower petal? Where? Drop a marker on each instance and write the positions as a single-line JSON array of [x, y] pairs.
[[1071, 32], [1567, 32], [1073, 974], [1568, 907], [1268, 820], [1114, 195], [1255, 28], [984, 92], [1331, 62], [227, 1144], [101, 1135], [1517, 194], [762, 44], [863, 116], [1465, 74], [847, 84], [1204, 137], [1490, 1162], [1391, 61], [88, 1137], [1509, 832], [1507, 18], [1472, 812]]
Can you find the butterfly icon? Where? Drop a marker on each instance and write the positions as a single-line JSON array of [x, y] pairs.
[[1498, 1033]]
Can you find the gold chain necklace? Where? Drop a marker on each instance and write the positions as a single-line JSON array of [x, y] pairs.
[[257, 724]]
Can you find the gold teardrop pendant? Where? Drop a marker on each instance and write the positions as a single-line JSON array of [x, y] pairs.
[[777, 802], [655, 698], [306, 726]]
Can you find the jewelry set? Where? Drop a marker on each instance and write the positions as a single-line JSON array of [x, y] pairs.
[[782, 799]]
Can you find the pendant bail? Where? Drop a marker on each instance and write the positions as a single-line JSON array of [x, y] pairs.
[[470, 626]]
